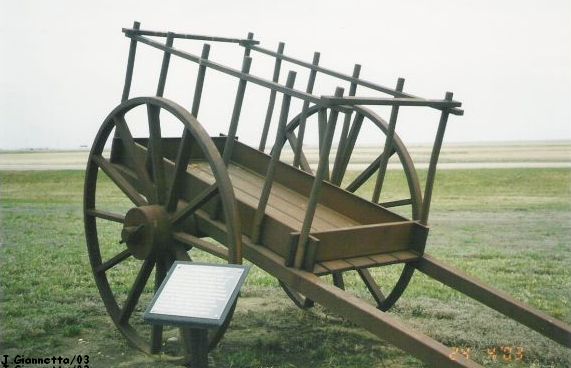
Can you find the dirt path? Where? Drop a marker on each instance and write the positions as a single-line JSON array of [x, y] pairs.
[[453, 156]]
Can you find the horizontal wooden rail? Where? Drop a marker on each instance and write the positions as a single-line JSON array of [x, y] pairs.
[[187, 36], [230, 71], [137, 35], [398, 101], [346, 77]]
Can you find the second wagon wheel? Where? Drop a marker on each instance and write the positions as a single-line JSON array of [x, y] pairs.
[[139, 202], [385, 295]]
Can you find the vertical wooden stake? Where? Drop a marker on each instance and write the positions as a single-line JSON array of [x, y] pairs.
[[200, 81], [350, 145], [227, 154], [246, 48], [165, 66], [317, 181], [130, 65], [183, 152], [276, 152], [337, 172], [126, 85], [272, 101], [433, 161], [388, 147], [301, 131]]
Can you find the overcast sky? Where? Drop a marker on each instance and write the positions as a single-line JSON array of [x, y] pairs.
[[62, 63]]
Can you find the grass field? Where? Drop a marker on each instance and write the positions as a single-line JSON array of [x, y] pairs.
[[509, 227]]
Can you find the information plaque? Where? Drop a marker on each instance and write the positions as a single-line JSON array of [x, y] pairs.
[[196, 295]]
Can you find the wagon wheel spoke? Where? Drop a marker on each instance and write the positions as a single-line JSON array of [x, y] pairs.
[[367, 173], [371, 285], [163, 264], [397, 203], [185, 338], [171, 255], [106, 215], [338, 280], [179, 247], [300, 300], [347, 151], [322, 124], [156, 152], [131, 150], [214, 336], [113, 261], [196, 203], [157, 330], [182, 161], [303, 163], [136, 290], [119, 180], [188, 241]]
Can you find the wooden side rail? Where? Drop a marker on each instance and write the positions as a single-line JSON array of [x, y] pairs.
[[363, 241]]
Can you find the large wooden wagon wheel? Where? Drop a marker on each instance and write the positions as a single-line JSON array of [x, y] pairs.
[[361, 116], [151, 229]]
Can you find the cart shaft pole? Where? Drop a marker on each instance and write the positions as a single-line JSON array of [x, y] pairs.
[[495, 299]]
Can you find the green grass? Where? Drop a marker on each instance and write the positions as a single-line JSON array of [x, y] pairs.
[[510, 228]]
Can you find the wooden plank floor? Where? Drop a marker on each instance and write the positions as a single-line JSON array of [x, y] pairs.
[[284, 204]]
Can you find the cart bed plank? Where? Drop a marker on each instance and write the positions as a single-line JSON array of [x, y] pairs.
[[284, 204], [323, 268]]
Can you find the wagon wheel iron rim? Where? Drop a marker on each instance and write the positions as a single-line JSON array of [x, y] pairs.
[[361, 115], [157, 211]]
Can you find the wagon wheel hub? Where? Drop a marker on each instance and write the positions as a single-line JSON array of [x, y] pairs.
[[146, 230]]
